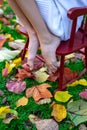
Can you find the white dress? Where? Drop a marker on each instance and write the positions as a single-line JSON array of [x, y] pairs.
[[54, 13]]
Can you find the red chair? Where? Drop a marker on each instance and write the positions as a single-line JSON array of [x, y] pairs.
[[77, 41]]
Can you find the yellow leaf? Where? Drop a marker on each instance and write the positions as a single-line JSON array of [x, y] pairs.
[[4, 111], [9, 37], [62, 96], [83, 82], [59, 112], [41, 75], [70, 56], [73, 84], [9, 66], [22, 102], [17, 61]]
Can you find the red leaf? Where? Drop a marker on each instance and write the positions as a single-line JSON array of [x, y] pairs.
[[5, 72]]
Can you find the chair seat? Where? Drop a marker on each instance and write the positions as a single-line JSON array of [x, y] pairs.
[[64, 48]]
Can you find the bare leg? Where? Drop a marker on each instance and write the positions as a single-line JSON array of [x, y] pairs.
[[48, 41], [33, 38]]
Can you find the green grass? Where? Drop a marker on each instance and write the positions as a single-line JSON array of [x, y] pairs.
[[43, 111]]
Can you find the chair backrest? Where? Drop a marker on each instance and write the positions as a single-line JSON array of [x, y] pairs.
[[73, 14]]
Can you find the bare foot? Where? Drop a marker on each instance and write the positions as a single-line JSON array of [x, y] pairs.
[[32, 50], [49, 53]]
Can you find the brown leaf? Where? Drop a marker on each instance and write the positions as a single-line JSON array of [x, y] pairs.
[[5, 20], [39, 92], [68, 75], [54, 76], [22, 74], [37, 63]]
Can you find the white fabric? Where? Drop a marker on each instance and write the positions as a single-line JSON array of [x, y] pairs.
[[54, 13]]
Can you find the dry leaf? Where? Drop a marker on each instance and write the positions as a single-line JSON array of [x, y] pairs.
[[39, 92], [22, 102], [68, 75], [44, 101], [8, 68], [5, 21], [53, 77], [83, 94], [2, 41], [10, 116], [16, 86], [59, 112], [22, 74], [41, 75], [46, 124]]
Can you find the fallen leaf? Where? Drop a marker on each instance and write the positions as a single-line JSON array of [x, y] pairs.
[[4, 111], [59, 112], [10, 116], [22, 74], [83, 82], [53, 77], [5, 21], [82, 127], [8, 68], [39, 92], [70, 56], [73, 84], [62, 96], [1, 93], [22, 102], [41, 75], [16, 86], [83, 94], [17, 45], [37, 62], [77, 111], [44, 101], [46, 124], [5, 72], [68, 75], [17, 61], [2, 41], [7, 54]]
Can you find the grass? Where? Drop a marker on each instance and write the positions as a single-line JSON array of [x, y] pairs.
[[43, 111]]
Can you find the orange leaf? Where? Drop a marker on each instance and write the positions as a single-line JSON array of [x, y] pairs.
[[39, 92], [23, 74], [2, 41]]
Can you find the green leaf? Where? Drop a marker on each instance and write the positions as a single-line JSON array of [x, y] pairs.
[[77, 111]]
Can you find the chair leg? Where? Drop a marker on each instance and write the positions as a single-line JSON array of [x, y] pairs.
[[61, 72], [25, 49]]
